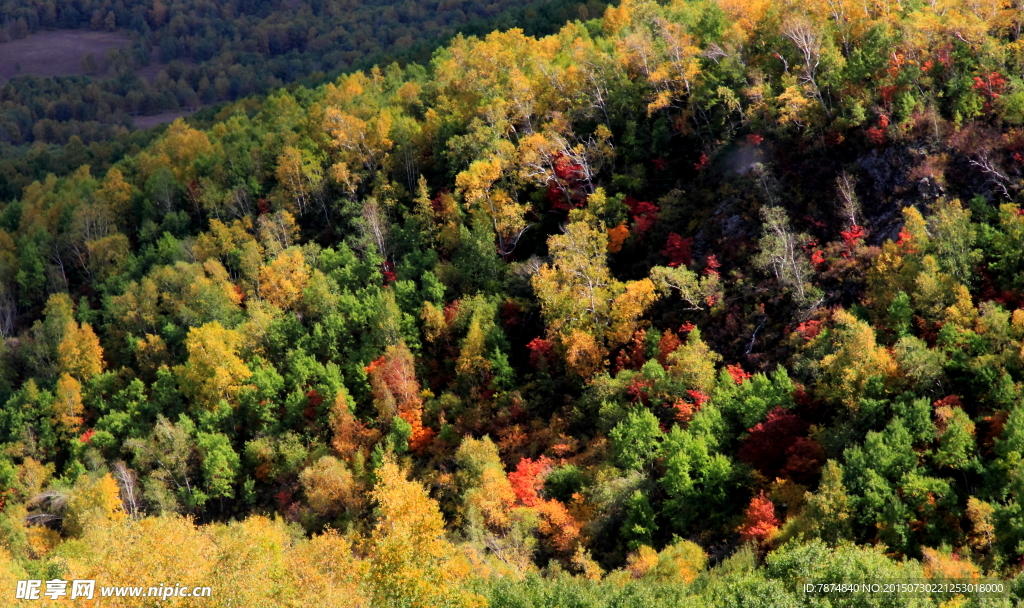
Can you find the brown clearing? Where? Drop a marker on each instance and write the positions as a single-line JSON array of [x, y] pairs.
[[148, 122], [58, 53]]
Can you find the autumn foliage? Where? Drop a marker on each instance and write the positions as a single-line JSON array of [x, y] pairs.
[[761, 524], [662, 308], [396, 392]]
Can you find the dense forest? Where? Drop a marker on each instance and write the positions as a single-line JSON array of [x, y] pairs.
[[213, 52], [689, 305]]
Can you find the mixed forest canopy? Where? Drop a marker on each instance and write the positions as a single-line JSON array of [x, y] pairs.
[[182, 56], [681, 306]]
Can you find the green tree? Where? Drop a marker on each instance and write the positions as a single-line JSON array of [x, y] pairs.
[[640, 526], [637, 439], [827, 511]]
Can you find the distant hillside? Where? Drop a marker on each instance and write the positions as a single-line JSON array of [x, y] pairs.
[[183, 55], [120, 65]]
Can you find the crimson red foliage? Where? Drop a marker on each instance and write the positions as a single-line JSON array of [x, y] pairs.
[[766, 445], [699, 398], [568, 169], [632, 355], [678, 250], [754, 139], [436, 203], [804, 460], [451, 311], [283, 498], [637, 389], [568, 190], [541, 351], [509, 313], [991, 87], [644, 213], [949, 400], [314, 397], [87, 436], [555, 196]]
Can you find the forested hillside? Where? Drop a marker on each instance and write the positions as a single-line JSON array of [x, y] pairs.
[[689, 305], [186, 55], [203, 53]]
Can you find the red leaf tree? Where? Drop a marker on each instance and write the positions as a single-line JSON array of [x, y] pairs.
[[528, 479], [761, 523], [766, 445], [678, 250], [396, 392]]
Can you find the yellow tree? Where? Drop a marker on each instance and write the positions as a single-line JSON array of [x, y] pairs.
[[583, 354], [68, 403], [478, 187], [628, 307], [585, 307], [678, 68], [232, 244], [148, 552], [116, 193], [576, 289], [79, 352], [360, 143], [472, 362], [325, 573], [281, 282], [178, 150], [486, 490], [855, 359], [411, 562], [249, 561], [93, 501], [213, 371], [107, 255], [301, 175], [693, 363], [277, 231], [330, 487]]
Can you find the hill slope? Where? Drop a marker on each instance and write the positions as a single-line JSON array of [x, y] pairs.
[[667, 289]]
